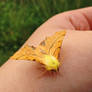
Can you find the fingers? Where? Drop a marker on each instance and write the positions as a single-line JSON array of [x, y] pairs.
[[87, 13], [81, 19]]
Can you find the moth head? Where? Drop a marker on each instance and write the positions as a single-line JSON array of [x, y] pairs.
[[51, 63]]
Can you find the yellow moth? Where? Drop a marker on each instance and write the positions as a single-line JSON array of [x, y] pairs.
[[46, 52]]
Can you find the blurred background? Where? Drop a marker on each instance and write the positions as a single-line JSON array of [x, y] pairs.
[[19, 18]]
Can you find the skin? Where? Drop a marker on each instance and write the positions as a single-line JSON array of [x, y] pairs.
[[76, 71]]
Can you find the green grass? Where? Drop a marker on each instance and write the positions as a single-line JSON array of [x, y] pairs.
[[19, 18]]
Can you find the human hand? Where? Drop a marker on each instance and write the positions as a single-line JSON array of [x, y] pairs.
[[76, 71]]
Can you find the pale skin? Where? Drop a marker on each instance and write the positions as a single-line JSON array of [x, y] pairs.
[[76, 71]]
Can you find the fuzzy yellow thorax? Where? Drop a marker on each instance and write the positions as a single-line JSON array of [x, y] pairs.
[[51, 63]]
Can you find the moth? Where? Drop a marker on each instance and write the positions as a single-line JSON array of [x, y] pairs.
[[46, 53]]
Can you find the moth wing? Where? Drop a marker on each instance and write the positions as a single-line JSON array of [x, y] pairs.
[[55, 50], [54, 43], [26, 53]]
